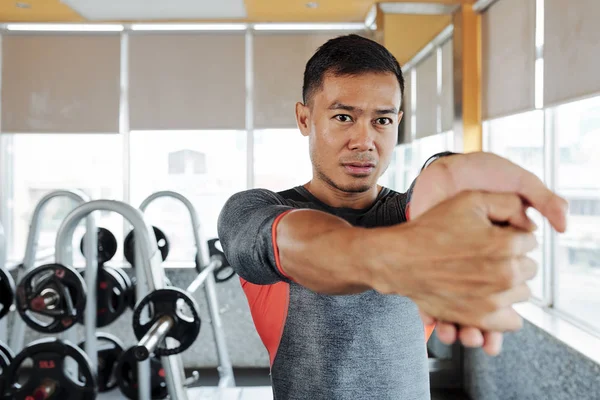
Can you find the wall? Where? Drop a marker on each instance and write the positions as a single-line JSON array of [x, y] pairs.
[[532, 365]]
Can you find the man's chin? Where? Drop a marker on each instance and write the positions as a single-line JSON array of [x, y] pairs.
[[359, 185]]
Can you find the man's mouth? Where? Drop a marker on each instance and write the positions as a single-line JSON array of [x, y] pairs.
[[359, 168]]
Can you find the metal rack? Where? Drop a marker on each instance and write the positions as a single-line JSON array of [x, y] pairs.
[[18, 330], [202, 258], [150, 276]]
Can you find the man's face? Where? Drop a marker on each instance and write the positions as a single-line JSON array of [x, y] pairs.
[[352, 124]]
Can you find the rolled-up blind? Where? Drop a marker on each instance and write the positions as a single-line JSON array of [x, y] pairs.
[[279, 62], [187, 81], [447, 99], [60, 83], [427, 97], [508, 58], [571, 50]]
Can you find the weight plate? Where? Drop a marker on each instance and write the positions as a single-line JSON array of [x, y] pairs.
[[127, 376], [225, 272], [169, 302], [129, 245], [110, 349], [49, 378], [107, 245], [7, 292], [52, 291], [6, 357], [111, 296], [132, 292]]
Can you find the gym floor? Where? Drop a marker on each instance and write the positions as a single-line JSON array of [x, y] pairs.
[[254, 384]]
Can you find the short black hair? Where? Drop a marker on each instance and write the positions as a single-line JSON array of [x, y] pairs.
[[348, 55]]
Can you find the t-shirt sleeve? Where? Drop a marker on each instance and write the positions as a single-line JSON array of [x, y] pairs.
[[246, 228]]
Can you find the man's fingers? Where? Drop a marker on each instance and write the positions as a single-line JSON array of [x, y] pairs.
[[486, 172], [493, 343], [446, 332], [504, 320], [507, 209], [517, 294], [492, 173], [471, 337]]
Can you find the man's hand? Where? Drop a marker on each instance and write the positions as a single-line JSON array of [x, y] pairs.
[[481, 171], [462, 267]]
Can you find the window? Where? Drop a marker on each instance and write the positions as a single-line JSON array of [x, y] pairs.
[[406, 170], [281, 159], [40, 163], [577, 130], [430, 145], [520, 138], [207, 167]]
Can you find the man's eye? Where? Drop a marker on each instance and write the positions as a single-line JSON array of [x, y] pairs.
[[343, 118], [383, 121]]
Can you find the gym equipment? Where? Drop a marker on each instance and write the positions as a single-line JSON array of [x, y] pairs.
[[48, 378], [149, 274], [129, 245], [205, 277], [6, 357], [112, 284], [111, 296], [223, 273], [107, 245], [18, 330], [7, 292], [127, 372], [7, 286], [131, 294], [166, 320], [54, 291], [110, 350]]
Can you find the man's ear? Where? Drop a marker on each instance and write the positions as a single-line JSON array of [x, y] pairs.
[[303, 118], [400, 115]]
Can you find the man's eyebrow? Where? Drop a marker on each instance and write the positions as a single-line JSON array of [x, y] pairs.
[[384, 111], [341, 106]]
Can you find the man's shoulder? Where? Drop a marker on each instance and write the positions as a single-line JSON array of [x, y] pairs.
[[267, 196]]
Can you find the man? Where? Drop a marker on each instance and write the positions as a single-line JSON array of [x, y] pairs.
[[334, 274]]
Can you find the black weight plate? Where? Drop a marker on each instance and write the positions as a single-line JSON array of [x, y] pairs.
[[165, 302], [111, 296], [127, 376], [107, 245], [6, 357], [65, 283], [132, 293], [110, 349], [129, 245], [48, 373], [7, 292], [225, 272]]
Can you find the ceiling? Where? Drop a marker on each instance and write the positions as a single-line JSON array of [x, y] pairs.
[[256, 10]]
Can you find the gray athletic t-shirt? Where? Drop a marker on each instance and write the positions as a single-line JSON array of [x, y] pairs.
[[351, 347]]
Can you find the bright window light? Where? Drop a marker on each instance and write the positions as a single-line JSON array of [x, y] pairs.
[[66, 27], [539, 83], [309, 27], [188, 27]]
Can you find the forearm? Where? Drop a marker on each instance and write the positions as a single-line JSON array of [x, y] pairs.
[[327, 255]]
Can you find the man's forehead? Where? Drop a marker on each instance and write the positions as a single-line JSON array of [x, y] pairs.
[[380, 88]]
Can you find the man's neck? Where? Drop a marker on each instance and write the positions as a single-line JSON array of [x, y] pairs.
[[340, 199]]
